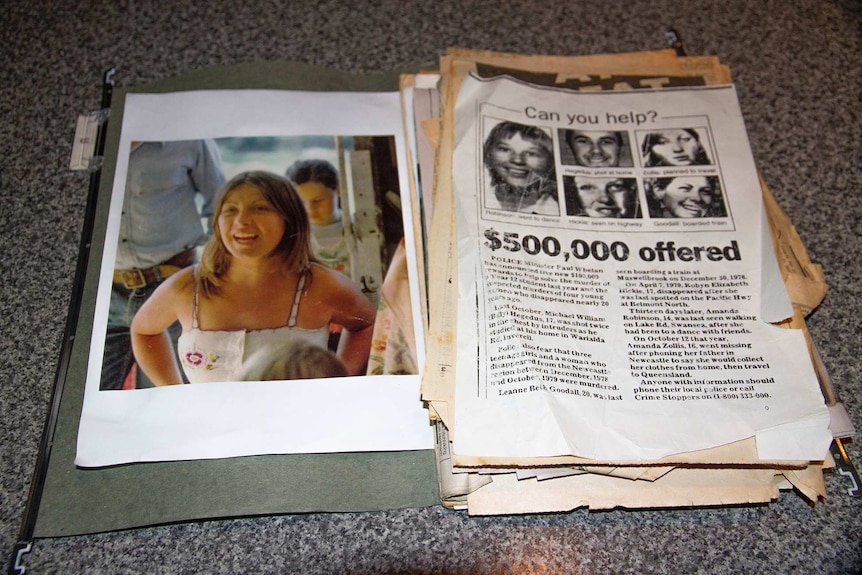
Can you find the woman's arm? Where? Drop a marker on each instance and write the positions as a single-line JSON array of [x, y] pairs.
[[151, 344], [155, 356], [353, 312], [354, 347]]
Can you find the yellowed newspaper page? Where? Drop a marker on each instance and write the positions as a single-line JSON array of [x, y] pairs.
[[639, 69], [680, 487]]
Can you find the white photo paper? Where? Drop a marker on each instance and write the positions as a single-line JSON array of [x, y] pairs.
[[240, 418]]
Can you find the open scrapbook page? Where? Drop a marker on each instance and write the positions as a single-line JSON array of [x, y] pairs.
[[285, 313], [563, 263]]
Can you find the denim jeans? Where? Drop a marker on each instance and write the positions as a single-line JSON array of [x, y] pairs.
[[118, 358]]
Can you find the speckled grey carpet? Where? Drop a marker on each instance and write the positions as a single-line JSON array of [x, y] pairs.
[[798, 69]]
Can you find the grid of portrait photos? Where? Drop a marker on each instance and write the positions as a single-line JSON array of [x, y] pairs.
[[654, 177]]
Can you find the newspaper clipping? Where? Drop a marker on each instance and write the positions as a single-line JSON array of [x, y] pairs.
[[611, 276]]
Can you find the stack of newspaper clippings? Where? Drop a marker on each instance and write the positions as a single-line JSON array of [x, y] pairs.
[[615, 302]]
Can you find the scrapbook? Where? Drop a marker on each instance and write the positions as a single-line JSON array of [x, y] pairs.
[[510, 284]]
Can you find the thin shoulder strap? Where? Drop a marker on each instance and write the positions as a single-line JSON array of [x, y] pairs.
[[294, 310], [194, 299]]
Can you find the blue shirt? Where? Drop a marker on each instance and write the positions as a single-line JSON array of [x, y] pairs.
[[165, 185]]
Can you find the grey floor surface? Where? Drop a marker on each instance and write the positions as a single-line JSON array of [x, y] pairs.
[[798, 69]]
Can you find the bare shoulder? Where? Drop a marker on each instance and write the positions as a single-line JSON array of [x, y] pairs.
[[176, 291], [181, 282], [333, 288], [323, 278], [339, 294], [171, 301]]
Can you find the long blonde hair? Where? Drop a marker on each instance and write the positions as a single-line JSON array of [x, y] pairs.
[[294, 249]]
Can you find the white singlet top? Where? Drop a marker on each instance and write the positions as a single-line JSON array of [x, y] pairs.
[[213, 355]]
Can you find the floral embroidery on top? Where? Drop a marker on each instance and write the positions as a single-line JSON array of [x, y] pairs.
[[199, 359]]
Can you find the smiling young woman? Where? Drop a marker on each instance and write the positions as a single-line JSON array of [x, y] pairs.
[[685, 197], [257, 284]]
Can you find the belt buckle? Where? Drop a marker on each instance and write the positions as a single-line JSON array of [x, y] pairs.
[[133, 279]]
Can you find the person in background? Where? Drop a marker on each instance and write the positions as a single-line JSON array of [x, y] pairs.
[[520, 162], [393, 347], [257, 284], [160, 227], [316, 181], [294, 359]]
